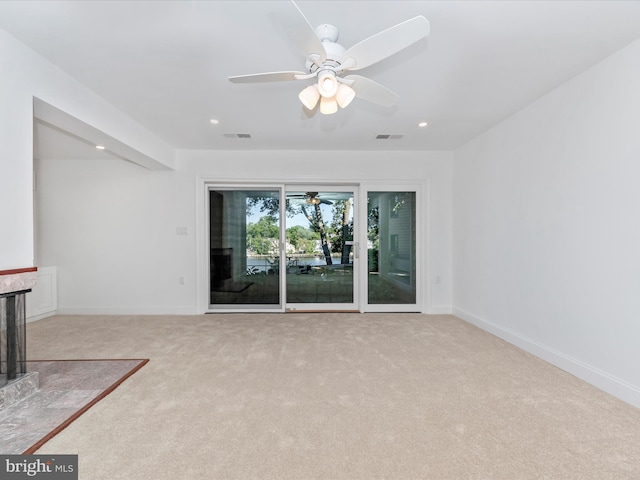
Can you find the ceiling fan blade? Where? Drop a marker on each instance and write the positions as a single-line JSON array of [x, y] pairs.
[[371, 91], [302, 34], [266, 77], [387, 42]]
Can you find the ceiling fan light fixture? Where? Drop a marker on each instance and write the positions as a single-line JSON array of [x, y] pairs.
[[327, 60], [345, 95], [328, 105], [327, 84], [309, 96]]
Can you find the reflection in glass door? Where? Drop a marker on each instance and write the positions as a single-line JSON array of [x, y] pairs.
[[320, 249], [391, 248], [244, 240]]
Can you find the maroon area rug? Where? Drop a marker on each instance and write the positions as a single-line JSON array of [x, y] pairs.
[[68, 388]]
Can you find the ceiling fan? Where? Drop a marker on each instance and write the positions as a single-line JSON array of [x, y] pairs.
[[310, 198], [327, 61]]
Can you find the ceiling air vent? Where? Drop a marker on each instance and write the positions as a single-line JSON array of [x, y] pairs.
[[389, 136], [237, 135]]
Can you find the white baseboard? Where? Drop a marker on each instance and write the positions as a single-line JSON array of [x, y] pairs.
[[602, 380], [127, 311]]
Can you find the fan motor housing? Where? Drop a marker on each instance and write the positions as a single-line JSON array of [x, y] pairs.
[[335, 52]]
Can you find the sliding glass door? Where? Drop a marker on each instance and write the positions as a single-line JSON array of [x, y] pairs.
[[392, 273], [321, 254], [244, 249], [299, 247]]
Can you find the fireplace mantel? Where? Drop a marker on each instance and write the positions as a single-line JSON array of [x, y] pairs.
[[17, 280]]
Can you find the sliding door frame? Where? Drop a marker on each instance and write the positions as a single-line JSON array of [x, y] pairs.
[[203, 233], [357, 250], [420, 245], [361, 190]]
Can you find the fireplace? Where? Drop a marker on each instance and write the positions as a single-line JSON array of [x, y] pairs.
[[14, 284]]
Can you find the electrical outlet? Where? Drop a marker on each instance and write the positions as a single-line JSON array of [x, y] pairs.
[[181, 280]]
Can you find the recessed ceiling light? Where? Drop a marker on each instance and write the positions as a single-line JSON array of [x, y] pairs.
[[100, 147], [214, 121], [422, 124]]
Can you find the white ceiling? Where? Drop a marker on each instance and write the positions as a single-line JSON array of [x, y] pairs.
[[166, 63]]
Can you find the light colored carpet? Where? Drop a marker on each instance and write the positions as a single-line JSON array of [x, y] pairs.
[[332, 396]]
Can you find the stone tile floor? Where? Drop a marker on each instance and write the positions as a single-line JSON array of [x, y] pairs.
[[67, 389]]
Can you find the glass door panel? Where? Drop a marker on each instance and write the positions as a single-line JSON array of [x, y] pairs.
[[244, 258], [320, 249], [391, 248]]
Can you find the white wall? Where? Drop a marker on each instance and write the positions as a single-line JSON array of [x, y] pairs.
[[547, 226], [110, 228], [26, 75], [110, 225]]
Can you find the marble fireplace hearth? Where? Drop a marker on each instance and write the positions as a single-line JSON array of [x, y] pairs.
[[17, 390]]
